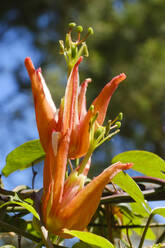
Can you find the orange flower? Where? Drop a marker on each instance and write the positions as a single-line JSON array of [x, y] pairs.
[[68, 203], [71, 132], [72, 113]]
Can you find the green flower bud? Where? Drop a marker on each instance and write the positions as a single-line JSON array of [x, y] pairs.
[[118, 124], [120, 116], [90, 30], [100, 130], [85, 50], [72, 24], [79, 29]]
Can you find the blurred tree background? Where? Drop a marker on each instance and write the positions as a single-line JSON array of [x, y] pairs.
[[129, 37]]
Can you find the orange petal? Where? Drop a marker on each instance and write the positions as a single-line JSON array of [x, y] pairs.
[[70, 113], [101, 102], [44, 105], [54, 176], [82, 99], [75, 135], [78, 213], [100, 105]]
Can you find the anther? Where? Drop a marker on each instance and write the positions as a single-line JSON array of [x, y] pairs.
[[120, 116], [90, 31], [118, 124], [72, 25], [79, 29]]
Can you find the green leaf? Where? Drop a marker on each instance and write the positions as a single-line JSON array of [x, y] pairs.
[[125, 182], [145, 162], [90, 238], [138, 210], [23, 156], [22, 204], [160, 211]]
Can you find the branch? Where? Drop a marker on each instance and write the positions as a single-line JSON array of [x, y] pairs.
[[157, 194], [127, 226], [25, 193], [12, 228], [146, 179]]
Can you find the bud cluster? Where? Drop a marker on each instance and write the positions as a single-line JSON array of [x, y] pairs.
[[72, 50]]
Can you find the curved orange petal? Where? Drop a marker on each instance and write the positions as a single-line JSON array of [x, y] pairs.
[[82, 99], [70, 112], [101, 102], [100, 105], [78, 213], [75, 135], [54, 175], [44, 105]]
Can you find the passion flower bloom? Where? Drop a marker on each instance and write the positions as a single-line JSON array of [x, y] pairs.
[[68, 203], [72, 113], [65, 133]]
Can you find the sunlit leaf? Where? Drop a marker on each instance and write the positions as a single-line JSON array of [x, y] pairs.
[[160, 211], [145, 162], [22, 204], [23, 156], [90, 238], [125, 182], [138, 210]]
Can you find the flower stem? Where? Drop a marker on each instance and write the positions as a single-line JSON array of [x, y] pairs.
[[145, 231], [85, 159]]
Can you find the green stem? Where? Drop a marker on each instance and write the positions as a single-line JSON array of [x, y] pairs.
[[85, 160], [128, 238], [145, 231], [108, 137]]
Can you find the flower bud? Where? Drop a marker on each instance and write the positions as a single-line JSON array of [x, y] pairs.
[[118, 124], [90, 30], [79, 29], [100, 130], [120, 116], [72, 25], [85, 50]]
